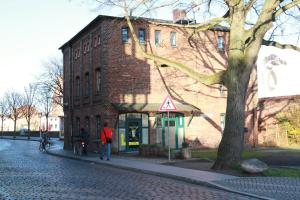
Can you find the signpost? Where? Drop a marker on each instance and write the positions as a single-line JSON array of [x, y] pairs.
[[167, 106]]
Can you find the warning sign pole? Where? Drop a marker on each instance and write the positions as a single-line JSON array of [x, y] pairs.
[[168, 105], [169, 137]]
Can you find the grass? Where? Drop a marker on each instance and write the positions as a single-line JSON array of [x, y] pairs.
[[282, 172], [212, 154], [271, 172]]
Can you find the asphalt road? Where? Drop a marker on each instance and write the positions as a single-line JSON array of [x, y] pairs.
[[26, 173]]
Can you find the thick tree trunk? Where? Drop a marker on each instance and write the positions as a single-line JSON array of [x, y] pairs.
[[231, 146]]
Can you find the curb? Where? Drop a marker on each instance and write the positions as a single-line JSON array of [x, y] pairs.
[[174, 177]]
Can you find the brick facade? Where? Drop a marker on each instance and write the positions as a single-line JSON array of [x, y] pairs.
[[128, 78]]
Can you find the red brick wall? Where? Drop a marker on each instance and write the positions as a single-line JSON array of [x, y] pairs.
[[129, 78]]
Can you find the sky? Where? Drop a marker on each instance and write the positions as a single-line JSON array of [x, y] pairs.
[[31, 32]]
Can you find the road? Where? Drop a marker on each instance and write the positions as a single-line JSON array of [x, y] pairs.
[[26, 173]]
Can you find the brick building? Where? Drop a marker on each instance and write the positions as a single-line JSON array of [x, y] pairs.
[[105, 79]]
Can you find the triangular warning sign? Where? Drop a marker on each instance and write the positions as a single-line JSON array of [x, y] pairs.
[[167, 105]]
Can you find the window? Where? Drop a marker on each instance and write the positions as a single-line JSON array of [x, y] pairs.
[[98, 39], [87, 124], [142, 35], [95, 41], [87, 84], [98, 81], [98, 126], [157, 37], [77, 125], [173, 39], [220, 43], [222, 121], [125, 35], [77, 86], [222, 90]]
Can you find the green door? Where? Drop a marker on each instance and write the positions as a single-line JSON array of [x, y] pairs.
[[174, 133]]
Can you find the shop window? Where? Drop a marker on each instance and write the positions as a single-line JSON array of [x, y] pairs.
[[125, 34], [144, 120], [134, 115], [122, 119]]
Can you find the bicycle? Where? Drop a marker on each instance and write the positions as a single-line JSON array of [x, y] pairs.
[[44, 145]]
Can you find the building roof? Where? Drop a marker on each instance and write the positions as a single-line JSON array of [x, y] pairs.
[[100, 17]]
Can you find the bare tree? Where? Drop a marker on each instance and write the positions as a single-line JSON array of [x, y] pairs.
[[251, 24], [45, 103], [29, 108], [15, 107], [52, 79], [3, 112]]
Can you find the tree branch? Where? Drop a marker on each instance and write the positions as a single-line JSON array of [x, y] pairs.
[[250, 5], [281, 46], [286, 7], [205, 79]]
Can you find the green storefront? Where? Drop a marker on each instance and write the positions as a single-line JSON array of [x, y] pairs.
[[134, 129]]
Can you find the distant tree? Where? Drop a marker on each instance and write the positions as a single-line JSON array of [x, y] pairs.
[[46, 103], [51, 79], [251, 24], [29, 108], [3, 112], [15, 107]]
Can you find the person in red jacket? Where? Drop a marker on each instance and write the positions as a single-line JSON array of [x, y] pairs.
[[106, 140]]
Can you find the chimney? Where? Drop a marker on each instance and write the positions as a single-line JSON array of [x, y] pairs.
[[179, 14]]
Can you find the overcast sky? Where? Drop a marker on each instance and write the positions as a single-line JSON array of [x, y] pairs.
[[31, 33]]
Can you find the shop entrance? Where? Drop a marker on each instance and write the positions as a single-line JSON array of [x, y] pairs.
[[133, 133], [133, 130]]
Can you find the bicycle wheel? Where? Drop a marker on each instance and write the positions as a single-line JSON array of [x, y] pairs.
[[41, 147], [47, 146]]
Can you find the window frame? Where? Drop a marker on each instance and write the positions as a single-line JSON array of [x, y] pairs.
[[157, 37], [173, 39], [87, 83], [220, 43], [124, 35], [142, 35], [98, 80]]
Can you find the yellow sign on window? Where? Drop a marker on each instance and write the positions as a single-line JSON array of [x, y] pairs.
[[136, 143]]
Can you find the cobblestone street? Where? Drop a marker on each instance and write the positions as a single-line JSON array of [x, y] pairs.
[[26, 173]]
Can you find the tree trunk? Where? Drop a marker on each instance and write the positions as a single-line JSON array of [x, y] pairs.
[[231, 146], [2, 119], [15, 128], [28, 126]]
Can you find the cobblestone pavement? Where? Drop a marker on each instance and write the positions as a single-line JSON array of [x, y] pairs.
[[274, 187], [26, 173]]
